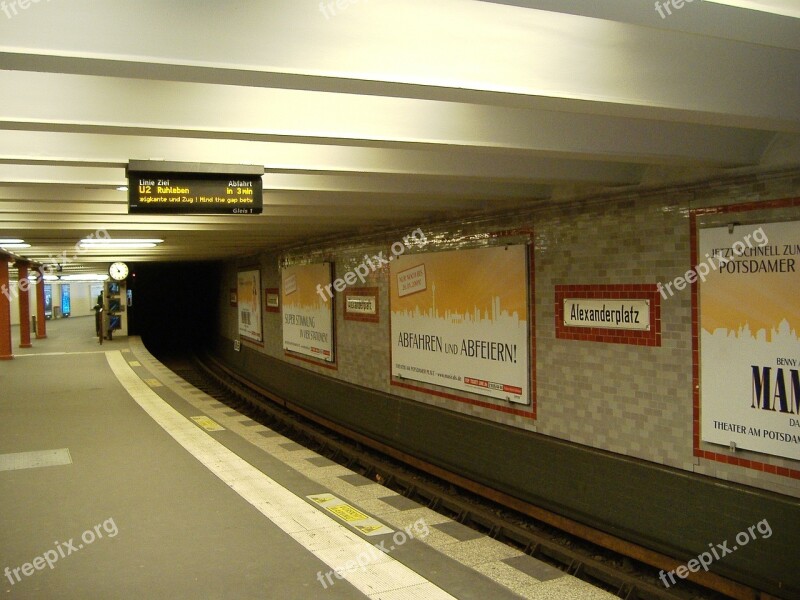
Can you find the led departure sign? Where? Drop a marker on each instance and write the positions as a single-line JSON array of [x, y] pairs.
[[195, 189]]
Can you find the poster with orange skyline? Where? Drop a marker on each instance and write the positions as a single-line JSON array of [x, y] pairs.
[[749, 307], [248, 290], [307, 317], [459, 319]]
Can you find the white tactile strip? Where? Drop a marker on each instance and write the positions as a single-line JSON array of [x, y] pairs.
[[370, 497], [35, 460], [46, 354], [332, 543]]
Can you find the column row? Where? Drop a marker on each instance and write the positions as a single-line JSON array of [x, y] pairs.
[[20, 289]]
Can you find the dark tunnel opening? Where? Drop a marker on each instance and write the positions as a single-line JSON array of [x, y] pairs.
[[174, 307]]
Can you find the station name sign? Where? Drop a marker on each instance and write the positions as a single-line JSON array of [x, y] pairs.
[[633, 314], [156, 187], [361, 305]]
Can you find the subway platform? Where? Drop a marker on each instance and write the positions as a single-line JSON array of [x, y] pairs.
[[120, 480]]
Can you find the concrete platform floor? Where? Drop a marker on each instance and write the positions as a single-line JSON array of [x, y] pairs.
[[120, 480]]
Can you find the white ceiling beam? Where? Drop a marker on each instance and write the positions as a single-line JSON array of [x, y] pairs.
[[702, 18], [157, 107], [458, 45], [109, 151]]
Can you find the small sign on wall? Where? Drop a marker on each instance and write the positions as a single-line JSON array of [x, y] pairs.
[[290, 285], [273, 300], [411, 281], [361, 304]]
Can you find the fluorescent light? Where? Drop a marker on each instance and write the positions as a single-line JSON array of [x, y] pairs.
[[132, 246], [13, 244], [34, 278], [86, 277], [93, 241], [786, 8], [122, 188], [119, 244]]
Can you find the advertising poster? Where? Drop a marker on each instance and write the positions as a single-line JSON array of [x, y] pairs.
[[66, 300], [248, 291], [749, 309], [459, 319], [307, 315]]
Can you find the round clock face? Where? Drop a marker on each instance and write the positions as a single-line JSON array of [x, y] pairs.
[[118, 271]]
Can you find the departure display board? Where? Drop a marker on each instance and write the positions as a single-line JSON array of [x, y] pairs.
[[197, 190]]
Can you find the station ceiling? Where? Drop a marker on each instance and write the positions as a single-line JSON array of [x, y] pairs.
[[374, 113]]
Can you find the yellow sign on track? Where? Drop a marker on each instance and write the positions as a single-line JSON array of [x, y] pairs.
[[350, 515]]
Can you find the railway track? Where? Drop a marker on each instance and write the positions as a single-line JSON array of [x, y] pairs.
[[621, 574]]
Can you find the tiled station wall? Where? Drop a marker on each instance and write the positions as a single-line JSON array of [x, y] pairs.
[[630, 399]]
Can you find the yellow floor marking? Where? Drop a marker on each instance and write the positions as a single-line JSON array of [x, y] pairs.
[[208, 424], [350, 515], [347, 513]]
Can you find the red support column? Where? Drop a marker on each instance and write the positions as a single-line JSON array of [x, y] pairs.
[[5, 311], [24, 306], [41, 320]]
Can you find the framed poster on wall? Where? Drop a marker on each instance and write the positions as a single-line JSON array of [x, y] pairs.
[[749, 337], [459, 319], [307, 314], [248, 294]]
